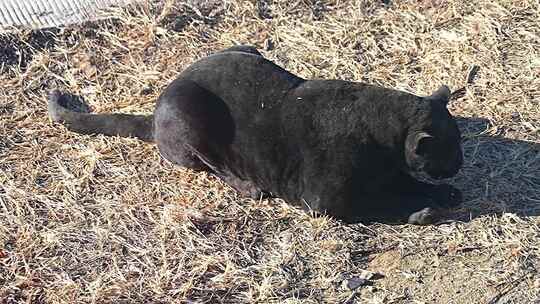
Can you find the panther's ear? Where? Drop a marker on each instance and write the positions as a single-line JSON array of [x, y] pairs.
[[442, 95], [422, 143], [419, 143]]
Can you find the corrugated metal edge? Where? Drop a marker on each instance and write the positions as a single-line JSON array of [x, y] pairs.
[[38, 14]]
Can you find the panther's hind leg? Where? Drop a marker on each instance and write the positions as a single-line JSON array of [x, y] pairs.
[[194, 128], [191, 122]]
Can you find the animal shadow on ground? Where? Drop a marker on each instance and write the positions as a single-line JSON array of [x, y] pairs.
[[499, 174]]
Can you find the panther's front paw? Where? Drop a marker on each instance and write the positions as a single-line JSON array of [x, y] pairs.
[[447, 196], [425, 216]]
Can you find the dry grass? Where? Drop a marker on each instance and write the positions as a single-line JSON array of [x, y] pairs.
[[90, 219]]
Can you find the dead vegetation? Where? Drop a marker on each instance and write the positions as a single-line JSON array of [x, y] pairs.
[[90, 219]]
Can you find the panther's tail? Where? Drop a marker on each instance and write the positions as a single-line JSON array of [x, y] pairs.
[[125, 125]]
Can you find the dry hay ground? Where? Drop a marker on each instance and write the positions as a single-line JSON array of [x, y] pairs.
[[91, 219]]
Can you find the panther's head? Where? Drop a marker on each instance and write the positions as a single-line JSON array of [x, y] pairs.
[[433, 144]]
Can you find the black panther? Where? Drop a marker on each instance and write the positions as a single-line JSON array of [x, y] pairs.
[[341, 148]]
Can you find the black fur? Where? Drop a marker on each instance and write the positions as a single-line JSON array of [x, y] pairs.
[[342, 148]]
